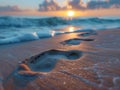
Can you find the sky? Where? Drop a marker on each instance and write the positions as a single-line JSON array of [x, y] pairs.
[[24, 4], [48, 7]]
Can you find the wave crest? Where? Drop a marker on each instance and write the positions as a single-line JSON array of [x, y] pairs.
[[49, 21], [6, 22]]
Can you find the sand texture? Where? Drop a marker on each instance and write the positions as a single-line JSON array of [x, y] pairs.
[[86, 60]]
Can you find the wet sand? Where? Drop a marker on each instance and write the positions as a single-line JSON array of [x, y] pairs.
[[76, 61]]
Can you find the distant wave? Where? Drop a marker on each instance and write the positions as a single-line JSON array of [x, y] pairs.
[[6, 22], [96, 20], [29, 22]]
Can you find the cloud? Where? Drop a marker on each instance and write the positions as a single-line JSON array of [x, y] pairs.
[[48, 5], [9, 8], [53, 5], [77, 4], [115, 3], [103, 4]]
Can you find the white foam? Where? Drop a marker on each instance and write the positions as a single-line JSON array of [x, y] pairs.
[[28, 36], [20, 38]]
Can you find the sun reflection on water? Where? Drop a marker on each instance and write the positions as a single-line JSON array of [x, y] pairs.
[[52, 33], [71, 29]]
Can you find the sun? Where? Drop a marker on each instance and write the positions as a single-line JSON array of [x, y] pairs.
[[70, 13]]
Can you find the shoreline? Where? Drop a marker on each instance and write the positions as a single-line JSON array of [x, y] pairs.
[[90, 71], [75, 30]]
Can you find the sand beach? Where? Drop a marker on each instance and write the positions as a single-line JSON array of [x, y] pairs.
[[87, 60]]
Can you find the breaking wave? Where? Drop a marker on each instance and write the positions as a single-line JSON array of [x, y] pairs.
[[20, 29]]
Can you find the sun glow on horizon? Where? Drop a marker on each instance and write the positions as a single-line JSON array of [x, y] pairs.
[[71, 13]]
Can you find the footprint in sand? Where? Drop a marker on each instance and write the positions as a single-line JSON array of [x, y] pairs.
[[75, 41], [46, 61], [86, 34]]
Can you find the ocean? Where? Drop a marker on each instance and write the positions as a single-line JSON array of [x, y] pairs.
[[16, 29]]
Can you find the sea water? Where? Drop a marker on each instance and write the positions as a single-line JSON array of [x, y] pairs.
[[16, 29]]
